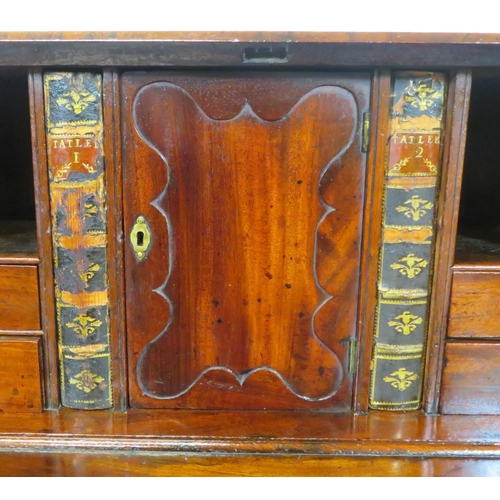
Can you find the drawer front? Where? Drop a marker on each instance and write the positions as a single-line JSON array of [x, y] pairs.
[[475, 305], [19, 298], [20, 386], [471, 379]]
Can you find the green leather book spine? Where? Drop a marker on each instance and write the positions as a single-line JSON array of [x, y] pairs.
[[74, 128], [412, 172]]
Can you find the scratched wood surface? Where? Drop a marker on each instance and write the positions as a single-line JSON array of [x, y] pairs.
[[108, 465], [470, 378], [447, 220], [252, 187], [474, 309], [19, 299], [20, 388], [379, 434], [334, 50]]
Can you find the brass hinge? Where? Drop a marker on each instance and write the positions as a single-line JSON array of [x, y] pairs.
[[353, 356], [366, 132]]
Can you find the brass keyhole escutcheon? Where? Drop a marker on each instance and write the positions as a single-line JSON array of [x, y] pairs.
[[140, 237]]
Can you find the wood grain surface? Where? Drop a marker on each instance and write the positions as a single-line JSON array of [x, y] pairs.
[[182, 442], [334, 50], [372, 230], [252, 186], [191, 443], [20, 388], [475, 308], [19, 300], [112, 153], [410, 434], [43, 226], [447, 221], [133, 465], [471, 378]]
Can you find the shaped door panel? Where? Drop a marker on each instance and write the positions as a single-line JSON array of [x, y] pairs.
[[249, 191]]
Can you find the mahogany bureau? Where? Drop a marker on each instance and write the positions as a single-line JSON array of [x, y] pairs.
[[249, 253]]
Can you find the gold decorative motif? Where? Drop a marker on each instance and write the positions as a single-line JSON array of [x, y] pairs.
[[404, 302], [90, 210], [411, 182], [76, 101], [85, 325], [417, 207], [90, 168], [86, 381], [87, 275], [63, 170], [422, 95], [67, 167], [398, 166], [410, 265], [403, 293], [432, 168], [407, 324], [86, 351], [401, 379]]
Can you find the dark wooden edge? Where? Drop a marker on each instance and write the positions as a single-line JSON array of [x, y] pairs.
[[43, 222], [446, 230], [21, 333], [186, 446], [108, 464], [473, 341], [23, 337], [112, 153], [20, 259], [251, 36], [397, 50], [277, 433], [372, 228], [476, 267]]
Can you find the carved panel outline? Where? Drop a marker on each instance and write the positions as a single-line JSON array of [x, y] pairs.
[[158, 203]]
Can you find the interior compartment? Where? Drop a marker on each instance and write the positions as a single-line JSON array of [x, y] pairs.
[[17, 199], [478, 236]]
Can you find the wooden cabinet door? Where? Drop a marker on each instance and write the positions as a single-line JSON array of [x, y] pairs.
[[249, 187]]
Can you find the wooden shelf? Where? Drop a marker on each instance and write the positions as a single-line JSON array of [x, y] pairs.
[[273, 432], [18, 243], [474, 252], [133, 464]]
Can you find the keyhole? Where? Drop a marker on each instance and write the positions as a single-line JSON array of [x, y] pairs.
[[140, 238]]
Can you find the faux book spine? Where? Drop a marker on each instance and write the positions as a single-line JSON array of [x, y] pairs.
[[411, 176], [73, 117]]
